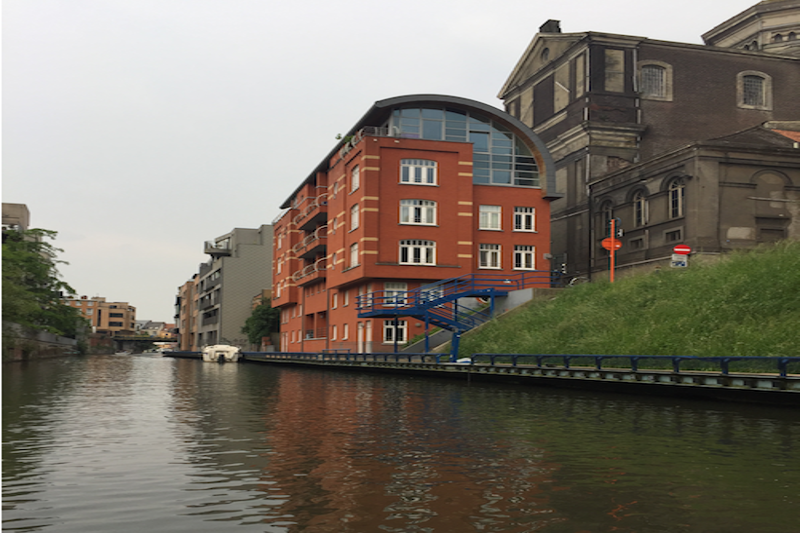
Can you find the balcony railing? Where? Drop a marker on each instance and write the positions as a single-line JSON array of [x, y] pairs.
[[308, 244], [313, 206], [310, 272], [216, 249]]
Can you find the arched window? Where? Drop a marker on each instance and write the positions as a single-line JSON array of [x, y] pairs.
[[777, 38], [754, 90], [655, 80], [792, 36], [677, 194], [639, 209]]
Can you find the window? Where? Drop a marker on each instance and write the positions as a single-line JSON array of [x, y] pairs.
[[335, 300], [353, 255], [280, 265], [419, 171], [394, 293], [499, 156], [417, 252], [392, 333], [345, 332], [115, 324], [524, 219], [754, 90], [89, 312], [355, 178], [354, 217], [639, 209], [677, 191], [345, 298], [333, 332], [655, 80], [115, 315], [489, 217], [489, 256], [673, 236], [524, 257], [418, 212]]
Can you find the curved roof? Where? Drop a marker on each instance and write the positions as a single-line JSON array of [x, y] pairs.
[[380, 111]]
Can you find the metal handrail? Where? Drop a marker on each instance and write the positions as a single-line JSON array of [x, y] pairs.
[[493, 359]]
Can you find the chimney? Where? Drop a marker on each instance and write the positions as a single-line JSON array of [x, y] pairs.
[[551, 26]]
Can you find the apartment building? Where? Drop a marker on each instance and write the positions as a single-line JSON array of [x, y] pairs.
[[422, 188], [109, 318], [612, 107], [213, 306]]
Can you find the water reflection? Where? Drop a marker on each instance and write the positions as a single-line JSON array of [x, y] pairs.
[[117, 443]]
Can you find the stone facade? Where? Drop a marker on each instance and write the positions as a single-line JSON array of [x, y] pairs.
[[605, 102]]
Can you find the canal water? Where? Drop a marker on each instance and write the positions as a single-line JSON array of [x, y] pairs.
[[139, 443]]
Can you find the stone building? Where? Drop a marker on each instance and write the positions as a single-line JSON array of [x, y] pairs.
[[611, 107]]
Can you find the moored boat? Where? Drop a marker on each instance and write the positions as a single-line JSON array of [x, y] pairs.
[[221, 353]]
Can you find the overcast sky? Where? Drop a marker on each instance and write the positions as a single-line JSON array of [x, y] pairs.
[[138, 129]]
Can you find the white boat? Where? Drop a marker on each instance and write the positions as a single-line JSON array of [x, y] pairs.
[[221, 353]]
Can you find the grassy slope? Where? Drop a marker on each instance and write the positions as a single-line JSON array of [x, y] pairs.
[[746, 304]]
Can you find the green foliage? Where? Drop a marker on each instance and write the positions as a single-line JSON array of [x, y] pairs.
[[31, 288], [746, 304], [264, 320]]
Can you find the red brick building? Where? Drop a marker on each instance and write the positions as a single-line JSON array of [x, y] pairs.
[[422, 188]]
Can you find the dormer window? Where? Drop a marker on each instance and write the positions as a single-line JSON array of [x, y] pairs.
[[655, 80]]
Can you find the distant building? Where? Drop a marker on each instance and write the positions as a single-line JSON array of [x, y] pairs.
[[613, 109], [16, 217], [422, 188], [109, 318], [186, 316], [213, 307]]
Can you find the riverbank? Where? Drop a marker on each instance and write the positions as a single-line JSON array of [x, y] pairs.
[[745, 304]]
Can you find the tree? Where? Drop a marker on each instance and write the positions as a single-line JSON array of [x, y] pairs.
[[31, 289], [264, 320]]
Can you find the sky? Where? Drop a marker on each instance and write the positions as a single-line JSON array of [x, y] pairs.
[[139, 129]]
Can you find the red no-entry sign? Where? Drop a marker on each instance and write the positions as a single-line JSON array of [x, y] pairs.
[[682, 249], [611, 243]]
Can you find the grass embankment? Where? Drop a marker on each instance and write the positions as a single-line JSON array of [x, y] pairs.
[[746, 304]]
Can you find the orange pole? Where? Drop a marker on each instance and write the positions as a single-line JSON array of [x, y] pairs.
[[613, 249]]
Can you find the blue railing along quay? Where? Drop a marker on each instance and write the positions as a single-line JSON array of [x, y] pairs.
[[776, 380]]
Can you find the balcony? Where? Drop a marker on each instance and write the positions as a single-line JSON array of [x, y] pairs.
[[313, 245], [311, 273], [313, 214], [216, 250]]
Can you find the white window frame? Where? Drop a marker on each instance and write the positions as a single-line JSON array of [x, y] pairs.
[[524, 257], [394, 293], [354, 259], [354, 217], [489, 256], [490, 217], [418, 171], [333, 332], [355, 178], [417, 252], [525, 219], [418, 212], [345, 298], [345, 331], [390, 332], [335, 300]]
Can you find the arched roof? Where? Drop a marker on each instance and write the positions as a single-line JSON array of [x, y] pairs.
[[380, 111]]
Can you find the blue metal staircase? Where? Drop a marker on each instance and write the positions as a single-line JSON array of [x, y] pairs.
[[438, 303]]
